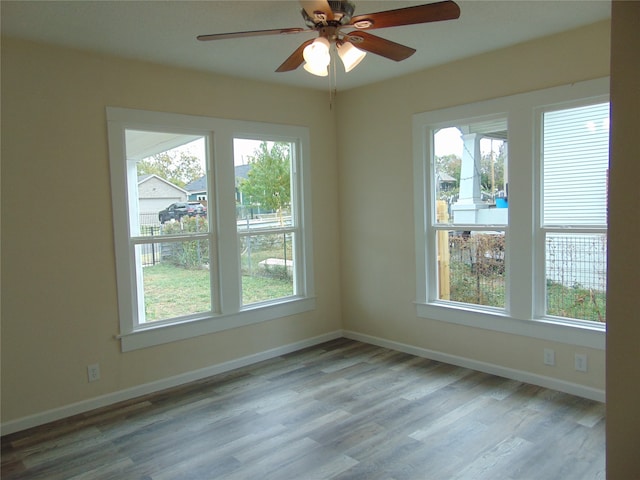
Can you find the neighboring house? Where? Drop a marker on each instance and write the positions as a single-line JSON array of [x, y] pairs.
[[197, 190], [446, 182], [242, 172], [155, 193], [245, 207]]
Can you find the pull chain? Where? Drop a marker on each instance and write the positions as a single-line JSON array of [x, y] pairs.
[[333, 82]]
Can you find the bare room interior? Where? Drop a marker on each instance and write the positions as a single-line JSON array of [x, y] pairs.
[[339, 327]]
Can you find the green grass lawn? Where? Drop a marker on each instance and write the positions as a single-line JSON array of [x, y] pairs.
[[576, 302], [172, 291]]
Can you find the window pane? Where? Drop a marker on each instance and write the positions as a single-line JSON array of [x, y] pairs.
[[166, 182], [470, 173], [263, 183], [267, 267], [471, 267], [575, 160], [576, 272], [175, 279]]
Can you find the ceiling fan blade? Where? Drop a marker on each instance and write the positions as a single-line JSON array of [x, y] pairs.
[[313, 6], [254, 33], [295, 59], [431, 12], [379, 46]]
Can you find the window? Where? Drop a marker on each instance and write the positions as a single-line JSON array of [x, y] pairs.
[[267, 224], [471, 215], [575, 160], [510, 213], [209, 234], [170, 244]]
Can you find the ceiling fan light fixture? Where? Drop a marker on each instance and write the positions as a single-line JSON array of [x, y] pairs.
[[350, 55], [328, 17], [317, 57], [317, 52], [318, 70]]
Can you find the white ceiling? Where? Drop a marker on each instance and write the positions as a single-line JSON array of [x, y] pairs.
[[165, 31]]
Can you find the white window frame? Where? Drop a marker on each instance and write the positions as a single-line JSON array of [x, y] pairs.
[[227, 312], [294, 228], [523, 257], [542, 228], [431, 253]]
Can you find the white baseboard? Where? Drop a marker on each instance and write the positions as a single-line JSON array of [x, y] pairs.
[[147, 388], [139, 390], [520, 375]]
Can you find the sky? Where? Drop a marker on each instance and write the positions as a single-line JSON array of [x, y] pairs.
[[447, 141], [242, 149]]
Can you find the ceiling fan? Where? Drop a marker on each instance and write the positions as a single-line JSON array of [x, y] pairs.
[[330, 18]]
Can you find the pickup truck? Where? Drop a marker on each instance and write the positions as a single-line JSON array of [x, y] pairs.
[[177, 210]]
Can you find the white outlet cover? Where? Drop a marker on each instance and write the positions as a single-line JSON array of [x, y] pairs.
[[549, 357], [93, 372], [581, 362]]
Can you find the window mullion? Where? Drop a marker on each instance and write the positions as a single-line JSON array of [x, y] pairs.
[[521, 250], [229, 258]]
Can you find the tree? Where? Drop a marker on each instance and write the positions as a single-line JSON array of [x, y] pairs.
[[176, 167], [451, 165], [497, 161], [268, 183]]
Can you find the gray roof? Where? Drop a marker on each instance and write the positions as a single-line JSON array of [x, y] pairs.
[[147, 176], [242, 170], [200, 185], [445, 177]]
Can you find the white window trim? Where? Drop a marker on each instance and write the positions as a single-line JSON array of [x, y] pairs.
[[220, 175], [542, 229], [520, 316]]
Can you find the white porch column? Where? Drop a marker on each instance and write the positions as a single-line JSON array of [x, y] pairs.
[[469, 200]]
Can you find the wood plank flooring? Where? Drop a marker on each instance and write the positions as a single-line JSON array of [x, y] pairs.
[[340, 410]]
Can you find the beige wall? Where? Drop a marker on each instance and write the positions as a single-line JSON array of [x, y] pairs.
[[376, 178], [623, 329], [59, 305], [58, 292], [59, 308]]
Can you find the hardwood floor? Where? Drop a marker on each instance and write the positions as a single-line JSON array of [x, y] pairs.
[[340, 410]]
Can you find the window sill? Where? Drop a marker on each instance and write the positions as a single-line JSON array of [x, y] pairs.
[[164, 333], [555, 330]]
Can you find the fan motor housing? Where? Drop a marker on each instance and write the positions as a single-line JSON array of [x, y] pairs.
[[342, 13]]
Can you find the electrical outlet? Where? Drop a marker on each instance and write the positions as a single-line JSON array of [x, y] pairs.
[[549, 357], [93, 372], [581, 362]]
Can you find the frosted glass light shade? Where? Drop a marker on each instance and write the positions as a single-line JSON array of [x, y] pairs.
[[350, 55], [317, 57], [316, 51], [319, 70]]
